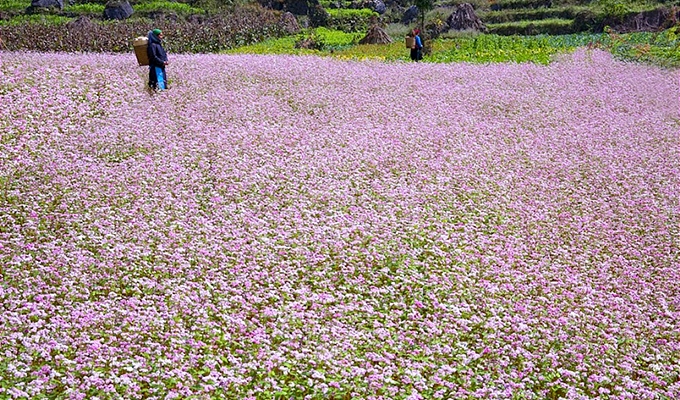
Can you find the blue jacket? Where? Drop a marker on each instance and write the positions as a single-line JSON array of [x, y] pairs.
[[419, 43], [157, 55]]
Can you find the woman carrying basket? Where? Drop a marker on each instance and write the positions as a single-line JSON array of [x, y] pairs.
[[158, 59]]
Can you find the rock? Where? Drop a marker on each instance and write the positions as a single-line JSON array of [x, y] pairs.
[[375, 5], [379, 7], [118, 9], [289, 23], [648, 21], [297, 7], [433, 29], [272, 4], [401, 4], [410, 15], [47, 4], [464, 18], [81, 23], [318, 16]]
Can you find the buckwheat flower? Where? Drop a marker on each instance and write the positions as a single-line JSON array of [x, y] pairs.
[[270, 225]]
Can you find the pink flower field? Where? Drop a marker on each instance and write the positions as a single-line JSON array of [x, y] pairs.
[[289, 227]]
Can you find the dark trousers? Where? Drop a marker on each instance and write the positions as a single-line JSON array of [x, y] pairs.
[[153, 77], [416, 54]]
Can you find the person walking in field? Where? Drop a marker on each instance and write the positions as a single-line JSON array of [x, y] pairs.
[[158, 59], [417, 49]]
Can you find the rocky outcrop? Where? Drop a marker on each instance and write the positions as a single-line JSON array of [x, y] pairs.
[[46, 4], [649, 21], [118, 9], [289, 23], [375, 5], [82, 23], [410, 15]]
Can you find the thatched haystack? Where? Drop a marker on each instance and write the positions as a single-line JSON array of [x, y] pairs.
[[464, 18], [376, 35]]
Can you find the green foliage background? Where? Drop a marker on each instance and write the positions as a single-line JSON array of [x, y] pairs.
[[230, 26]]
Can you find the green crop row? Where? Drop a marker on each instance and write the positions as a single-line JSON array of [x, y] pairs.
[[327, 40], [553, 26], [167, 6], [350, 20], [14, 5], [496, 17], [657, 48], [85, 9], [35, 19]]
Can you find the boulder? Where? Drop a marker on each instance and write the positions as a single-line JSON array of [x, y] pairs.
[[289, 24], [318, 16], [81, 23], [272, 4], [401, 4], [410, 15], [375, 5], [379, 6], [464, 18], [118, 9], [648, 21], [297, 7], [47, 4], [433, 29]]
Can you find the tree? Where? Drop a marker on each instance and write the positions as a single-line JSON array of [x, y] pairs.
[[423, 7]]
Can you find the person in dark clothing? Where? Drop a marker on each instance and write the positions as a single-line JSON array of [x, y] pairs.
[[158, 59], [417, 49]]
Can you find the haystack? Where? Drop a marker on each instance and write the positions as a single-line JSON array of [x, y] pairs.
[[376, 35], [464, 18]]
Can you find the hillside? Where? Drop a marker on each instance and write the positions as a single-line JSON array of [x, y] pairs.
[[210, 26], [500, 16]]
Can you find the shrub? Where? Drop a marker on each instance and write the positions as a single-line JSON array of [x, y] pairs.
[[85, 9], [587, 21], [614, 9], [518, 4], [14, 5], [310, 42], [396, 30], [31, 19], [350, 20], [167, 6], [50, 33]]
